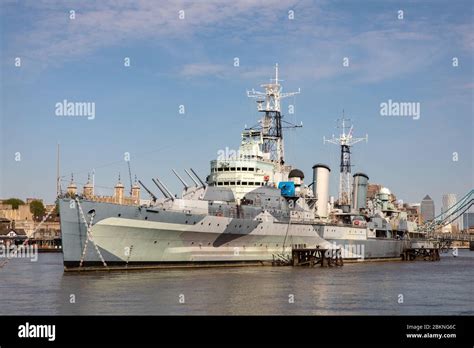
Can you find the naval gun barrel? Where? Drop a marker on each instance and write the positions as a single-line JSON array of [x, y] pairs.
[[160, 188], [197, 176], [192, 178], [147, 190], [170, 195], [186, 186]]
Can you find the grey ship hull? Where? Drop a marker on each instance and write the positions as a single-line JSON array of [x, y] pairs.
[[130, 235]]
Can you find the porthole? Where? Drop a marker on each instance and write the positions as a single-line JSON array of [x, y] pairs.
[[119, 215], [146, 217], [155, 242]]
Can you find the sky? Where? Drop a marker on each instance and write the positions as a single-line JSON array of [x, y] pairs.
[[184, 53]]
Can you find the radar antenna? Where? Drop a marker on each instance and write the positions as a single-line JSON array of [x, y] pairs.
[[271, 123], [345, 140]]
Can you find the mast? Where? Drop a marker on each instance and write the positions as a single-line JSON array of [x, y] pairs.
[[58, 179], [345, 140], [268, 102]]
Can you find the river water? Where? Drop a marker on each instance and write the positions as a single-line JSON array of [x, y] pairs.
[[377, 288]]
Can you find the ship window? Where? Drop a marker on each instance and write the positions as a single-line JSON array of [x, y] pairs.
[[219, 169], [226, 169], [119, 215], [232, 182], [250, 183], [251, 169], [226, 183], [186, 221], [155, 242], [238, 169], [146, 217], [244, 183], [232, 169], [244, 169]]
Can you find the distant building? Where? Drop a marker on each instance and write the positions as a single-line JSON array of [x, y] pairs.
[[372, 190], [12, 236], [413, 212], [467, 221], [118, 197], [450, 200], [427, 209]]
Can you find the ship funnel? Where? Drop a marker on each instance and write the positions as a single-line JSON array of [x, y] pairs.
[[321, 188], [359, 191]]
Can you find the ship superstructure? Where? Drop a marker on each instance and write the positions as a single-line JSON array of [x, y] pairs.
[[251, 207], [260, 158]]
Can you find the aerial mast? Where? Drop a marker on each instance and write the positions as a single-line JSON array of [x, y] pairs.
[[58, 178], [268, 102], [345, 140]]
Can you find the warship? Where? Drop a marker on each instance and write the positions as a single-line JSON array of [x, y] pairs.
[[253, 207]]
